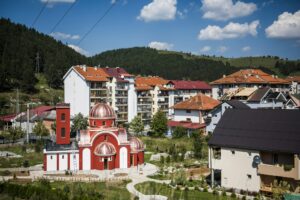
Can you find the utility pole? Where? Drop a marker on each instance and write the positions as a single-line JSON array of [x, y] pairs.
[[37, 58], [18, 105], [27, 124]]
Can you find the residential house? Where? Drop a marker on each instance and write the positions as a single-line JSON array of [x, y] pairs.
[[192, 113], [184, 89], [251, 148], [247, 78], [294, 84], [215, 115]]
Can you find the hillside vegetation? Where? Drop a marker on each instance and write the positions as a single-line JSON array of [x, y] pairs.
[[19, 46]]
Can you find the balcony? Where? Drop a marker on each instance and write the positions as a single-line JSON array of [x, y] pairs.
[[277, 170]]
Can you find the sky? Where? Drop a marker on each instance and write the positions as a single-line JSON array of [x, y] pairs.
[[226, 28]]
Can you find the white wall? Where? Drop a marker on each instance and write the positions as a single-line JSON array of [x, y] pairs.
[[86, 159], [235, 169], [51, 162], [215, 118], [77, 93], [181, 115], [72, 167], [132, 100], [63, 161], [123, 157], [215, 90]]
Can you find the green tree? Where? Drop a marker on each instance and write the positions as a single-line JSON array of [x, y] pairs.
[[15, 133], [179, 132], [198, 144], [79, 123], [137, 125], [159, 124], [279, 188], [40, 129]]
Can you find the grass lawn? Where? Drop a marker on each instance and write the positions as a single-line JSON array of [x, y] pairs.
[[161, 189], [164, 144], [72, 190], [33, 157]]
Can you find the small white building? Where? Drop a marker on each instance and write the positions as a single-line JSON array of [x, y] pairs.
[[294, 84], [251, 148]]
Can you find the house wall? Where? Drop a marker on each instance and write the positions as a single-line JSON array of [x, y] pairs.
[[77, 93], [182, 115], [215, 118], [63, 161], [51, 162], [235, 169]]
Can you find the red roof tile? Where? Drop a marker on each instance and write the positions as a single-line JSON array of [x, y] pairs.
[[92, 73], [198, 102], [250, 76], [190, 85]]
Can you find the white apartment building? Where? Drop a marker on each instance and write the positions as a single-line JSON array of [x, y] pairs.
[[84, 86]]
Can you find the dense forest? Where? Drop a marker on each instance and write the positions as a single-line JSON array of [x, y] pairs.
[[19, 47], [22, 49]]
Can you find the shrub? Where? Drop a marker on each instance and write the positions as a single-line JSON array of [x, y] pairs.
[[244, 198], [205, 190], [215, 192], [14, 176], [233, 195], [6, 173], [224, 193], [66, 172], [26, 163]]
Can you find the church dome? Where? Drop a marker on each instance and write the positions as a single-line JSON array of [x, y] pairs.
[[136, 145], [102, 111], [105, 149]]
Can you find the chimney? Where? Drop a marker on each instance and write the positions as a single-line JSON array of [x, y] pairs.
[[273, 76], [84, 67], [63, 123], [95, 67], [224, 76]]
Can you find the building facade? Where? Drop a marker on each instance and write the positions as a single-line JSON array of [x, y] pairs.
[[253, 148], [248, 78], [103, 146]]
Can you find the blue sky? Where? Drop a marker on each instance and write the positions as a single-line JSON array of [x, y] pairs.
[[226, 28]]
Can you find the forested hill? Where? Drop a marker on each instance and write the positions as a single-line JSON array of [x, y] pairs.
[[147, 61], [19, 46]]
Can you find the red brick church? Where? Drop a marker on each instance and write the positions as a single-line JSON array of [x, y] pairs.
[[103, 146]]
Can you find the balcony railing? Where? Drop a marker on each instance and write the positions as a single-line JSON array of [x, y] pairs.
[[277, 170]]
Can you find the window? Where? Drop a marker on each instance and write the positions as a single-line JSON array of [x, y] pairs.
[[74, 156], [51, 157], [63, 117], [103, 123], [232, 152], [188, 119], [63, 132], [275, 158], [105, 137], [249, 153], [217, 153], [188, 111], [249, 176], [62, 156]]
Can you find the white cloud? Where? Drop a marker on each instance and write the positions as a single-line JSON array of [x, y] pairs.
[[158, 10], [160, 45], [246, 48], [226, 9], [78, 49], [64, 36], [205, 49], [222, 49], [231, 30], [286, 26], [113, 1]]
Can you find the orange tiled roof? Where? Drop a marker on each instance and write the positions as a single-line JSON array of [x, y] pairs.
[[92, 74], [293, 78], [198, 102], [147, 83], [250, 76]]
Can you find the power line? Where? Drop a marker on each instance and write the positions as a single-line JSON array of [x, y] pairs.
[[60, 20], [41, 11], [99, 20]]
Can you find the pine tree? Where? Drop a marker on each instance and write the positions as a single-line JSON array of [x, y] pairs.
[[137, 125], [159, 124]]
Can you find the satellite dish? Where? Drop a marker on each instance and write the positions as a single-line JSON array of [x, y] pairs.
[[257, 160]]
